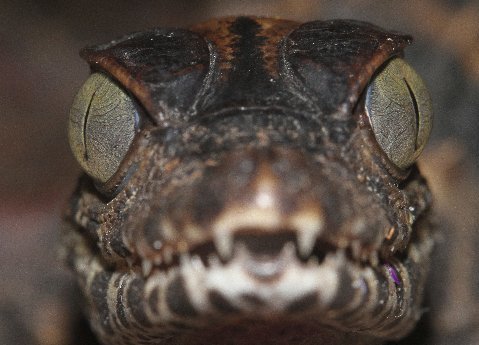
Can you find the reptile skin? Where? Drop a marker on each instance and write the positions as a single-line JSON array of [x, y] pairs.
[[254, 203]]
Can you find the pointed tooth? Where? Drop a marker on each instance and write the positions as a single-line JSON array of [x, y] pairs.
[[306, 242], [146, 267], [197, 263], [310, 226], [185, 259], [224, 244]]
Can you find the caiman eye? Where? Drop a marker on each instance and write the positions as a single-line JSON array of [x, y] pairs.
[[103, 122], [400, 112]]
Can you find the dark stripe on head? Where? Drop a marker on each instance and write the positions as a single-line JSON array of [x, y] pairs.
[[249, 66]]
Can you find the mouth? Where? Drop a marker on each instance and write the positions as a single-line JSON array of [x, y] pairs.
[[263, 242], [268, 251], [265, 268], [277, 269], [264, 252], [285, 270]]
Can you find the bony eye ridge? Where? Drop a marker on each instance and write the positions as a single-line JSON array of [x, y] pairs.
[[103, 123], [400, 112]]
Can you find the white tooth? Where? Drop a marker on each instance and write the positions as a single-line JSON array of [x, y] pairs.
[[197, 263], [146, 266], [306, 242], [309, 225], [224, 244], [185, 259]]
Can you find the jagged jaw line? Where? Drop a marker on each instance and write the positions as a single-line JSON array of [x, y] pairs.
[[259, 246], [290, 280], [301, 230]]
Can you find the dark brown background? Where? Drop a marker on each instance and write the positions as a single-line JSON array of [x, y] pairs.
[[40, 71]]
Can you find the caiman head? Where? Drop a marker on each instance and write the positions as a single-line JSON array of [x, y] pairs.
[[251, 174]]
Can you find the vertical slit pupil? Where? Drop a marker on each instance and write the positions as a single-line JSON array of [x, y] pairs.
[[85, 124], [416, 111]]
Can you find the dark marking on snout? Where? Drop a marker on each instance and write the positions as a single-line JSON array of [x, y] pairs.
[[178, 299], [303, 303], [136, 302], [345, 293], [99, 292], [120, 307], [382, 297], [153, 300], [253, 300], [117, 244], [221, 303]]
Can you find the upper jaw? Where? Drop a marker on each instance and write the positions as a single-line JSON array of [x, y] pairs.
[[261, 196]]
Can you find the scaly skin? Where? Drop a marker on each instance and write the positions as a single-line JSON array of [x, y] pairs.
[[254, 202]]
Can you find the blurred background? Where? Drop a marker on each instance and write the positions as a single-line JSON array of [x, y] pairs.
[[40, 72]]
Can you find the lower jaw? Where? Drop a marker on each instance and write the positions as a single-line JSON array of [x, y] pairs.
[[190, 299]]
